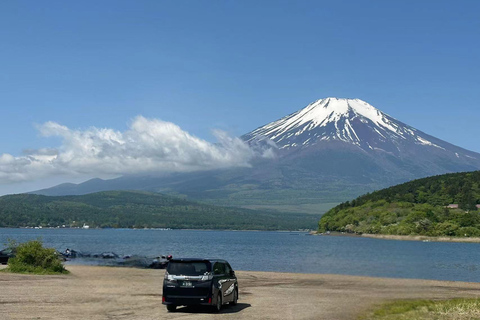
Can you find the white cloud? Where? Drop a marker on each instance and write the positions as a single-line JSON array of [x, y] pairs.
[[149, 145]]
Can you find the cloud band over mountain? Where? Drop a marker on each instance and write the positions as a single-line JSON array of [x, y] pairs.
[[148, 145]]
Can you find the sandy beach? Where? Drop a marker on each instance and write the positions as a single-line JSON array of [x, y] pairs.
[[123, 293]]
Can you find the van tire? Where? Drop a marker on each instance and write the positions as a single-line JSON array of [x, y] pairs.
[[235, 298], [218, 302]]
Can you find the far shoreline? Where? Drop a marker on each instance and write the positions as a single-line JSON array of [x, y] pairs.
[[404, 238], [423, 238], [306, 231]]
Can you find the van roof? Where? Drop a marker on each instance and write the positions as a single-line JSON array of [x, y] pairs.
[[197, 259]]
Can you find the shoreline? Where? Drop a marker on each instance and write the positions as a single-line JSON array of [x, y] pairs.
[[163, 229], [422, 238], [402, 238]]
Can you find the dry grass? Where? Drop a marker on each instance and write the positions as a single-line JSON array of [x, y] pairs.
[[455, 309]]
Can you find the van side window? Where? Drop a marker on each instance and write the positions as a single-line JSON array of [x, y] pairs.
[[227, 269], [218, 268]]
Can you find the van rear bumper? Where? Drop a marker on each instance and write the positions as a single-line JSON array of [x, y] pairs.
[[186, 301]]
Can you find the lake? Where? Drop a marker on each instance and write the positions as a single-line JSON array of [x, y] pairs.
[[276, 251]]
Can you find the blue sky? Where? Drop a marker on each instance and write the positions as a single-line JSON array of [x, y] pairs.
[[73, 70]]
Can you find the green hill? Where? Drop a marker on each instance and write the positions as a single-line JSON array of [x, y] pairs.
[[418, 207], [127, 209]]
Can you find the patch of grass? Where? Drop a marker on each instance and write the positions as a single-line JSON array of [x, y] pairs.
[[31, 257], [454, 309]]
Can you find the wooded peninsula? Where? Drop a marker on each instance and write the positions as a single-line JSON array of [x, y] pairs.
[[444, 205]]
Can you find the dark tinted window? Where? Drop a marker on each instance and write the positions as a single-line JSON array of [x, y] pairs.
[[219, 268], [193, 268]]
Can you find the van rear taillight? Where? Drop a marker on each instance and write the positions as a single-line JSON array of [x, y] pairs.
[[210, 300], [163, 299]]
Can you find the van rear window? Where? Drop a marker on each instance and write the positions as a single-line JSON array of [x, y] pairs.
[[190, 268]]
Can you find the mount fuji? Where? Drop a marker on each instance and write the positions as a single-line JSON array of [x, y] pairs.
[[354, 122], [328, 152]]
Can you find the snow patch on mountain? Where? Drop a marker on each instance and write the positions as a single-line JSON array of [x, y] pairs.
[[325, 111]]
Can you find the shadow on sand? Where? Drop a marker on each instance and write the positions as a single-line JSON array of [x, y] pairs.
[[205, 309]]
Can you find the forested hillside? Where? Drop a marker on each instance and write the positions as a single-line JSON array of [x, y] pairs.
[[126, 209], [418, 207]]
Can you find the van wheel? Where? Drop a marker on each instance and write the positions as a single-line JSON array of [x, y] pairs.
[[171, 307], [218, 304], [235, 298]]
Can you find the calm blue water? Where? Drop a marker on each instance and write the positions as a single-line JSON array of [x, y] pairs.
[[276, 251]]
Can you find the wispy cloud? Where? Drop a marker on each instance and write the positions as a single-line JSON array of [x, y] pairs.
[[149, 145]]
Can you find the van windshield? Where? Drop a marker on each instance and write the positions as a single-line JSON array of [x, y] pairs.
[[190, 268]]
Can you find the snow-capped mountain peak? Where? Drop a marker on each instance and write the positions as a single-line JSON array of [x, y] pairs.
[[353, 121], [323, 111]]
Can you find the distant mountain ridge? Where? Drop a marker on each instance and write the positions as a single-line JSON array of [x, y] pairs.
[[328, 152], [133, 209]]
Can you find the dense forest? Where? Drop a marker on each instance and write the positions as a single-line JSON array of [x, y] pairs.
[[418, 207], [127, 209]]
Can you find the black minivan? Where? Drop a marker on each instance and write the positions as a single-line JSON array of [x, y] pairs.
[[6, 254], [190, 281]]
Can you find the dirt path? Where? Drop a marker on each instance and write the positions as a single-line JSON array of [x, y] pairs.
[[122, 293]]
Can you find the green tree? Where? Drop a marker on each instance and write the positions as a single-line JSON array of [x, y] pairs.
[[446, 229], [466, 200], [32, 257]]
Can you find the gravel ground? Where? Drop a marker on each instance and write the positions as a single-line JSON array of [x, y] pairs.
[[123, 293]]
